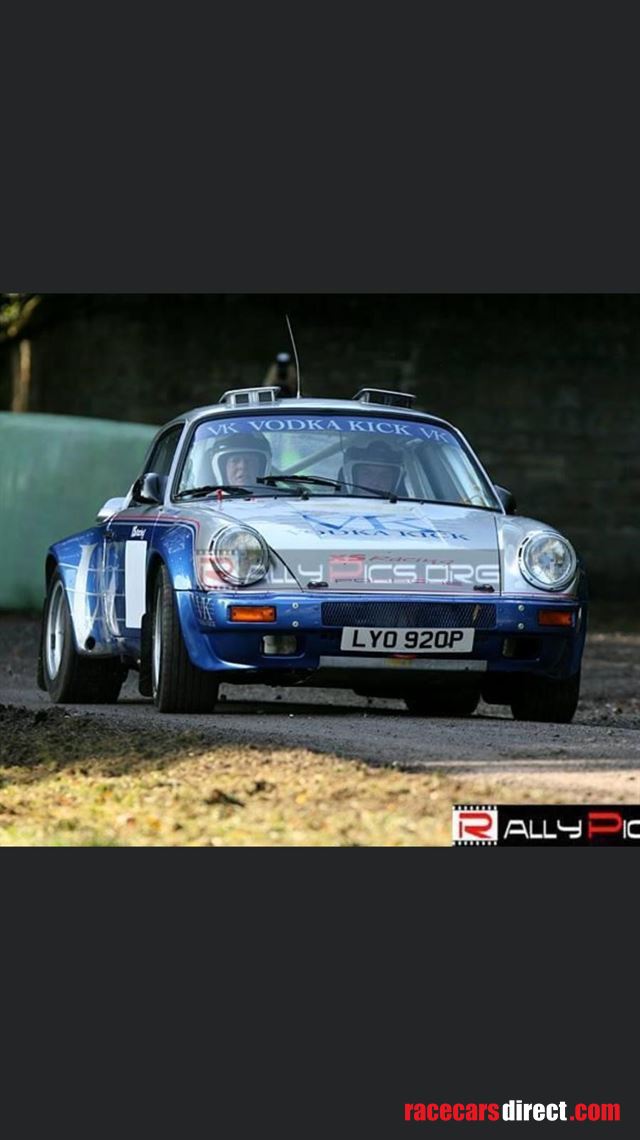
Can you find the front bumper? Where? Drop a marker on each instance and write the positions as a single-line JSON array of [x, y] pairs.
[[508, 636]]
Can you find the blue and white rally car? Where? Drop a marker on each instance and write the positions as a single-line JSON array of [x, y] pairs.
[[356, 543]]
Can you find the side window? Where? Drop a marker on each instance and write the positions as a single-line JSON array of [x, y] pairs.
[[159, 462], [162, 455]]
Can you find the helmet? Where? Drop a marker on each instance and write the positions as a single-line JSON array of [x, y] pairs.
[[375, 465], [250, 444]]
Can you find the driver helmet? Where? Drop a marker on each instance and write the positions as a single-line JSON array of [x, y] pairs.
[[375, 465], [240, 458]]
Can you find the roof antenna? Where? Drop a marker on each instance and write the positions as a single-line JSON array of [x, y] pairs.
[[295, 353]]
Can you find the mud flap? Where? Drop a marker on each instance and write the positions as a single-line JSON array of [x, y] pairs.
[[145, 685], [40, 669]]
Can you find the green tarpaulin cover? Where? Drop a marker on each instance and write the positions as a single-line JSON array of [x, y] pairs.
[[55, 474]]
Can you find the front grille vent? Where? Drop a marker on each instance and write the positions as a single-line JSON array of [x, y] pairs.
[[428, 615]]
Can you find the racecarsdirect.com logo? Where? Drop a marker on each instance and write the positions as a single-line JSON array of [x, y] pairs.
[[512, 1111]]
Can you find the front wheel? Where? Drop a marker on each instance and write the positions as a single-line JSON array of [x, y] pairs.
[[67, 675], [546, 699], [443, 702], [177, 685]]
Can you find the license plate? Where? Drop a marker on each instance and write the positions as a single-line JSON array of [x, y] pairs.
[[407, 640]]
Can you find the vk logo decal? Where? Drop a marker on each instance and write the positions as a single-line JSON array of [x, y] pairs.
[[371, 525]]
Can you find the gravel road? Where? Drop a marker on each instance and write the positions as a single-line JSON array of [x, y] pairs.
[[604, 738]]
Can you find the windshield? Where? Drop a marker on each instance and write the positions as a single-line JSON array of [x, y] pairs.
[[368, 456]]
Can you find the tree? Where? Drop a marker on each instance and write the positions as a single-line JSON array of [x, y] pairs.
[[16, 312]]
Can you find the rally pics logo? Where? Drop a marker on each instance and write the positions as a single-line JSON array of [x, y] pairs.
[[567, 825]]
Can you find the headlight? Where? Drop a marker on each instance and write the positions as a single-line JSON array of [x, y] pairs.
[[547, 561], [240, 555]]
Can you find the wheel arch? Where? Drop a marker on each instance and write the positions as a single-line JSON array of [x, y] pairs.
[[50, 567]]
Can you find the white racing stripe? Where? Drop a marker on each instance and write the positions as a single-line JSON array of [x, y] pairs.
[[135, 569]]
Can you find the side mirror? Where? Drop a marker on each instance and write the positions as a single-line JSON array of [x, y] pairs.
[[507, 499], [149, 488], [111, 507]]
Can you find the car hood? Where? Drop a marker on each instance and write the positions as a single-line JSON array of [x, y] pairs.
[[371, 545]]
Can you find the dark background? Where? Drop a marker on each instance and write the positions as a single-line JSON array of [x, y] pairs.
[[545, 386], [303, 993]]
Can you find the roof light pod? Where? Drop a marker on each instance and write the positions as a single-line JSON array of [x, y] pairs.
[[247, 397], [384, 397]]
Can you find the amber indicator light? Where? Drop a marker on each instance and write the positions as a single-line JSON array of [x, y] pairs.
[[555, 617], [252, 613]]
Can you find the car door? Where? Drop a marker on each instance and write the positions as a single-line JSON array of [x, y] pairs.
[[128, 541]]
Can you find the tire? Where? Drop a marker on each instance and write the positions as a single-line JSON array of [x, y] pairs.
[[443, 702], [543, 699], [64, 673], [177, 685]]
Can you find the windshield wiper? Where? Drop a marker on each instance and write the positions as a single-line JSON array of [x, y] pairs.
[[227, 489], [320, 481], [449, 503], [196, 492]]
